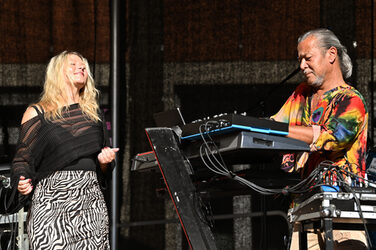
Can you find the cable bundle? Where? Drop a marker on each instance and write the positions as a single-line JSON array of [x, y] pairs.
[[326, 174]]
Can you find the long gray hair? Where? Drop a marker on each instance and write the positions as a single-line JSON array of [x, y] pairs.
[[327, 39]]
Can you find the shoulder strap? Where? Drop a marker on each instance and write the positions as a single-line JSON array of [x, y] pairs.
[[37, 109], [40, 114]]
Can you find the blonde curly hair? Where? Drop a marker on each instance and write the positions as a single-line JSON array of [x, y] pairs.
[[53, 98]]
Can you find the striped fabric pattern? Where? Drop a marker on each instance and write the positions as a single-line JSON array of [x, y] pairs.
[[68, 212]]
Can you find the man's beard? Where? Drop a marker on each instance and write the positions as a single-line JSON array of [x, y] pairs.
[[318, 82]]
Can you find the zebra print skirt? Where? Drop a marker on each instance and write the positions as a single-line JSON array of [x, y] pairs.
[[68, 211]]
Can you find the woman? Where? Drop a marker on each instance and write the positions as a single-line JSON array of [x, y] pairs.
[[61, 149]]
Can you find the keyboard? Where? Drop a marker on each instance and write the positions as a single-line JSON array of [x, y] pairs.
[[232, 122]]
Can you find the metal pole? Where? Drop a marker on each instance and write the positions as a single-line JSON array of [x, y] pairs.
[[372, 89], [114, 86], [20, 238]]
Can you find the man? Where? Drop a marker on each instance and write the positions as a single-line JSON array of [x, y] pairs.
[[326, 112]]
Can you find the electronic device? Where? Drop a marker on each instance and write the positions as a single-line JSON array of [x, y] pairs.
[[335, 205], [169, 118], [236, 147], [144, 161], [232, 122], [243, 146]]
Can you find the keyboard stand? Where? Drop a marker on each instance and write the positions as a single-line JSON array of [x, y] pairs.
[[18, 219], [174, 170], [326, 211]]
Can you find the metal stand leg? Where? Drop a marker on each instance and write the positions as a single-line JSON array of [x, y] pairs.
[[180, 187], [22, 239], [302, 238], [328, 229]]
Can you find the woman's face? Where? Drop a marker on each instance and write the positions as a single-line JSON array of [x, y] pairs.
[[75, 71]]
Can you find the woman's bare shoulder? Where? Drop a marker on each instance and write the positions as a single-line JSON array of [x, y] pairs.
[[29, 114]]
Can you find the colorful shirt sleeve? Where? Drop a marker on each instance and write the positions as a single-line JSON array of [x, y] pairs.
[[342, 117], [343, 125], [293, 109]]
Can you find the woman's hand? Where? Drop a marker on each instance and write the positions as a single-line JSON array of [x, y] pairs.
[[24, 186], [106, 156]]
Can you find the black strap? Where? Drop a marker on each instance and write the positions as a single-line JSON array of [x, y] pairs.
[[40, 114]]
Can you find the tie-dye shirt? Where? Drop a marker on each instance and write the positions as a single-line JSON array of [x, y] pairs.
[[342, 116]]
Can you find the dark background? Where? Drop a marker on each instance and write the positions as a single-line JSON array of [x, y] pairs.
[[206, 57]]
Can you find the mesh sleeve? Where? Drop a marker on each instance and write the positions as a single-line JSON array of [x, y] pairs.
[[23, 163]]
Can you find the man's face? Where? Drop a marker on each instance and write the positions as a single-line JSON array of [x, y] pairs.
[[313, 60]]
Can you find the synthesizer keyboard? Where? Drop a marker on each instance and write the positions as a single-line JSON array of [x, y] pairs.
[[232, 122], [237, 147], [244, 146]]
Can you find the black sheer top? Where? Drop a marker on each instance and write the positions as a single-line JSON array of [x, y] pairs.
[[48, 146]]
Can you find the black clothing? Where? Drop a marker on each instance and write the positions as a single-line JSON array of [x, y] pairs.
[[48, 146], [86, 164]]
